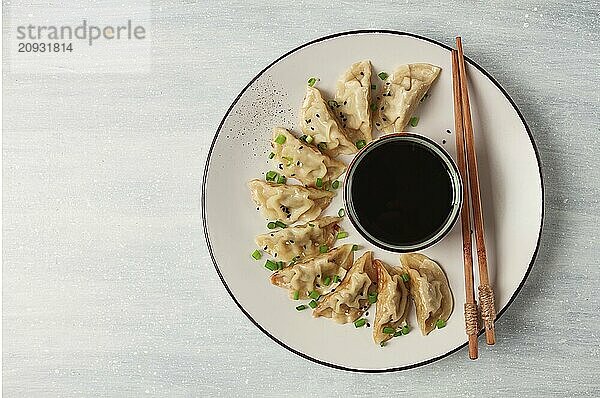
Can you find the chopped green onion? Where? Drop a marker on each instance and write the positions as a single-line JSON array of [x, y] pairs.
[[281, 179], [373, 86], [373, 106], [270, 265], [414, 121], [280, 139], [342, 235], [301, 307], [336, 278], [372, 298], [322, 146], [335, 184], [256, 254], [280, 224], [405, 329], [271, 175], [388, 330], [309, 139], [312, 304], [360, 322], [312, 81], [271, 155], [332, 104], [382, 75], [271, 225], [341, 212], [440, 323], [280, 265], [327, 281], [323, 249], [382, 344], [319, 182], [355, 247], [405, 277], [296, 295], [314, 295], [360, 144], [398, 333]]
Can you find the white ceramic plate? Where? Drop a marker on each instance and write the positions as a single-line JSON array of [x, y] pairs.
[[511, 187]]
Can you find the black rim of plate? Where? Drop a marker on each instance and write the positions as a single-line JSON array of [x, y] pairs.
[[324, 38]]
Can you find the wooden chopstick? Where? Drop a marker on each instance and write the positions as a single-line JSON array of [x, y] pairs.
[[486, 294], [470, 309]]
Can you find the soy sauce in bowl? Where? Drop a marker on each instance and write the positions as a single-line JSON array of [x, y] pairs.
[[403, 192]]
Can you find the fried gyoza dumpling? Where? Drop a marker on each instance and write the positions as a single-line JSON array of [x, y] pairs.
[[351, 298], [310, 274], [300, 241], [402, 92], [392, 301], [289, 203], [295, 159], [353, 102], [317, 121], [429, 289]]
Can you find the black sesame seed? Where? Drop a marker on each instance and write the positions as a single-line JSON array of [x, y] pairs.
[[308, 121], [377, 124], [443, 141], [448, 131], [275, 255], [345, 102], [362, 73], [384, 119], [317, 285], [368, 325], [317, 115], [367, 313], [382, 108], [312, 128], [265, 248], [300, 147], [291, 241]]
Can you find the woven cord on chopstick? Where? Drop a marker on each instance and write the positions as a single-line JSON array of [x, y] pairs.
[[486, 302], [471, 320]]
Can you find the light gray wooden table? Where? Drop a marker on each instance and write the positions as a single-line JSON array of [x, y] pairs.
[[108, 288]]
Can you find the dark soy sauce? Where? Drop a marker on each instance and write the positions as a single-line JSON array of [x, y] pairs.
[[402, 193]]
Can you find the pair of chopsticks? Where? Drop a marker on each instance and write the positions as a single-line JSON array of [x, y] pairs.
[[467, 165]]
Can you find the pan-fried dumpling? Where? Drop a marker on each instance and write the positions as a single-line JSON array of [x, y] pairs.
[[351, 298], [289, 203], [402, 92], [310, 274], [392, 301], [318, 122], [296, 159], [300, 241], [353, 98], [429, 289]]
